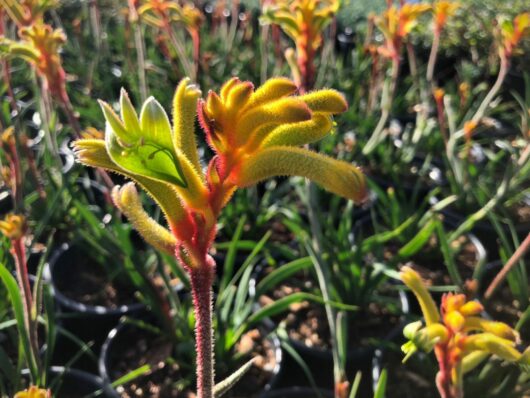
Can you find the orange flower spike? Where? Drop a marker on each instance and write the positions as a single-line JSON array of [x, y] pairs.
[[27, 12], [41, 46], [396, 23], [461, 339], [512, 32], [442, 10]]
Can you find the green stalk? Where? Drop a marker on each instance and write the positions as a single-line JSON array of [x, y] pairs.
[[386, 106]]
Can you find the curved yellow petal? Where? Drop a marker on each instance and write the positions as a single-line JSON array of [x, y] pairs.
[[328, 101], [297, 134], [500, 329], [336, 176], [184, 112], [284, 110], [495, 345], [414, 282], [272, 90]]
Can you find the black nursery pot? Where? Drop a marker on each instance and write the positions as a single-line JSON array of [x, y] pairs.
[[116, 341], [73, 383], [6, 202], [87, 322]]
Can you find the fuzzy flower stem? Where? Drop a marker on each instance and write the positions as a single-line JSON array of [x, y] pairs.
[[140, 58], [503, 71], [181, 51], [19, 253], [432, 58], [386, 104], [201, 279]]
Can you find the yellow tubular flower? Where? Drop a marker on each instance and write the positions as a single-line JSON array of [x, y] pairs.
[[414, 282], [33, 392], [488, 342], [441, 11], [255, 135], [13, 226]]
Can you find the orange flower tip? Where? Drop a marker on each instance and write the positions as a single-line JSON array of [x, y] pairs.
[[453, 302], [471, 308]]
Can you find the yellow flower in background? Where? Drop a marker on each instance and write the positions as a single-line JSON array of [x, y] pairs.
[[459, 336], [442, 10], [27, 12], [304, 22], [33, 392], [512, 32], [396, 23], [13, 226], [40, 45]]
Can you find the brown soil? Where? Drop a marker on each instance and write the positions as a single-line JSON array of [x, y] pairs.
[[307, 323], [88, 283], [169, 379], [429, 263]]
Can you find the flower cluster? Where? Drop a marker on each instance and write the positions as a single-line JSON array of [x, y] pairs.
[[255, 135], [27, 12], [442, 10], [34, 392], [396, 23], [13, 226], [512, 32], [303, 21], [460, 337], [40, 45]]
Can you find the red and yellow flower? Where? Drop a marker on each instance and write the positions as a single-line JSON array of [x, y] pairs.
[[512, 32], [304, 22], [460, 337], [255, 134], [41, 46], [33, 392], [396, 23]]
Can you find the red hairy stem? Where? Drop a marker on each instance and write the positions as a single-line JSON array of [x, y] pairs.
[[501, 276], [201, 279], [443, 378], [432, 57], [18, 175], [19, 253]]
